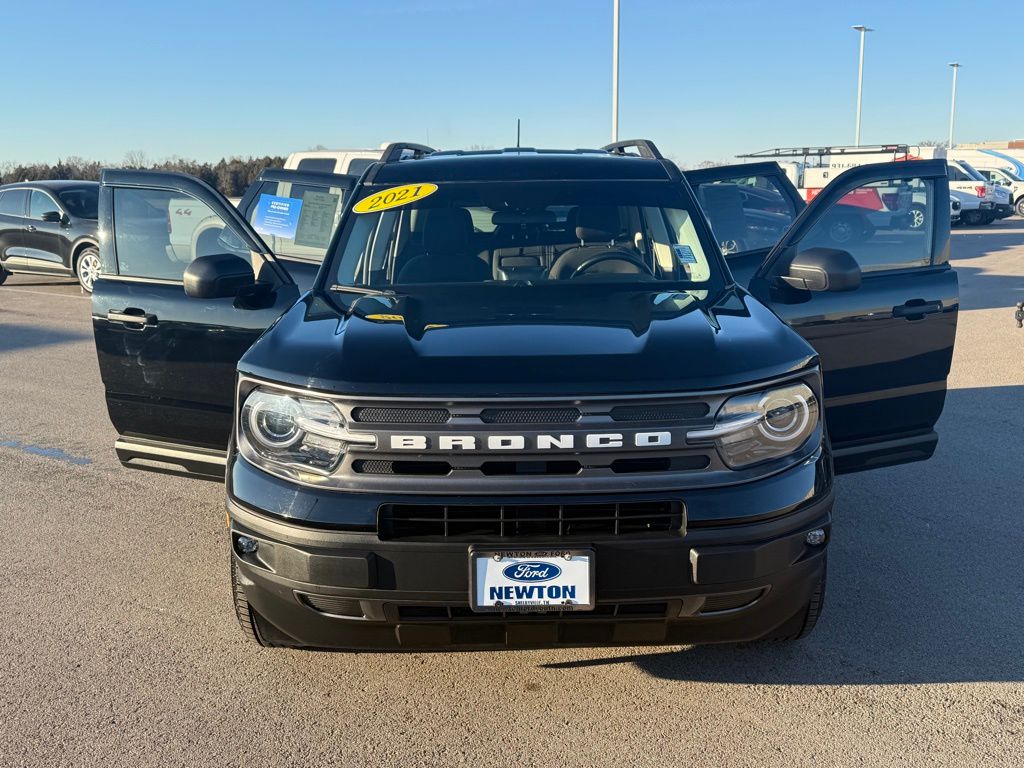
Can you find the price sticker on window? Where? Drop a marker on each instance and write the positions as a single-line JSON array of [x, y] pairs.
[[684, 254]]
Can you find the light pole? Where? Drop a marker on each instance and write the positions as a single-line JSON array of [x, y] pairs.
[[615, 70], [952, 104], [860, 78]]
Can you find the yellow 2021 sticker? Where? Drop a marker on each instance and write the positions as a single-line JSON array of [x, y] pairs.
[[394, 197]]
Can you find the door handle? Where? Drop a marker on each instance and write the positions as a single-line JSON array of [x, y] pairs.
[[131, 316], [916, 309], [30, 228]]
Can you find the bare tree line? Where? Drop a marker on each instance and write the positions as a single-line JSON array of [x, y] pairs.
[[231, 175]]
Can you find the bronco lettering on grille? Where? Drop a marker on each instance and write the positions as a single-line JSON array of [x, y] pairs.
[[533, 443]]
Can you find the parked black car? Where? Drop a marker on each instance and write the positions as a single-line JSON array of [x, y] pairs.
[[50, 228], [528, 400]]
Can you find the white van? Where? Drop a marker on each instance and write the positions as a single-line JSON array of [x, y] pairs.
[[1004, 167], [348, 161]]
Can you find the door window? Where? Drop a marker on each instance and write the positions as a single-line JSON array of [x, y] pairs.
[[40, 203], [12, 202], [320, 164], [955, 174], [359, 164], [885, 225], [747, 213], [158, 232], [305, 230]]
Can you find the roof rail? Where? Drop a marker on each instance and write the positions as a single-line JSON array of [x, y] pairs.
[[645, 147], [394, 152], [873, 149]]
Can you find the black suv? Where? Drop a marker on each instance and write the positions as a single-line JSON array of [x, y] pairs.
[[49, 228], [533, 397]]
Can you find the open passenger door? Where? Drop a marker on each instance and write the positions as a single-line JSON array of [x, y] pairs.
[[870, 287], [187, 286], [750, 207], [321, 198]]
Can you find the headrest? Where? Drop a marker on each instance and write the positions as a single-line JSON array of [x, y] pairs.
[[598, 223], [505, 217], [722, 195], [447, 231]]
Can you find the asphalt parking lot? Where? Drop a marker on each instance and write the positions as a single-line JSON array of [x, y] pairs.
[[118, 645]]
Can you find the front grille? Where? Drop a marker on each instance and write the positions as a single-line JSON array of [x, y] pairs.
[[389, 467], [529, 415], [665, 412], [384, 415], [425, 613], [404, 521]]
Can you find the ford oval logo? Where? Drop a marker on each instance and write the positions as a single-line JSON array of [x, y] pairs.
[[531, 572]]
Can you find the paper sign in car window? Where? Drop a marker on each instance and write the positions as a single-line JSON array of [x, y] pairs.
[[684, 254], [394, 197], [317, 218], [277, 216]]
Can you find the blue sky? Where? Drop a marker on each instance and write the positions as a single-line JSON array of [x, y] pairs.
[[703, 79]]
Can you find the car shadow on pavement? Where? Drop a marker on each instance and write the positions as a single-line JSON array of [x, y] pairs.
[[972, 242], [925, 576], [14, 337]]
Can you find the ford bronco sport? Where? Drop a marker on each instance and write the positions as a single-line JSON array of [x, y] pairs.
[[533, 397]]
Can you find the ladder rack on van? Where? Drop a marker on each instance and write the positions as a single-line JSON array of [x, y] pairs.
[[875, 149]]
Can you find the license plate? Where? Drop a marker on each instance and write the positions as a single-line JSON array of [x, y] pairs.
[[531, 580]]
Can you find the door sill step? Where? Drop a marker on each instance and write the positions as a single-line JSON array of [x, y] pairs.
[[154, 456]]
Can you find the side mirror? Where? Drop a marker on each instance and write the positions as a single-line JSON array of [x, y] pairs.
[[218, 276], [823, 269], [52, 216]]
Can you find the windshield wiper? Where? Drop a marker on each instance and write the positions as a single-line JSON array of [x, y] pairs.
[[362, 290]]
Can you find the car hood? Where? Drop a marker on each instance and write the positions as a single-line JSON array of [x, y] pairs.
[[507, 342]]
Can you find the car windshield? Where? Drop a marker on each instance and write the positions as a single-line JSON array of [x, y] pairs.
[[82, 202], [1010, 174], [524, 234], [973, 172]]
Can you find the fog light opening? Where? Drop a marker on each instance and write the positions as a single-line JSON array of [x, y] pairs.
[[246, 545], [816, 537]]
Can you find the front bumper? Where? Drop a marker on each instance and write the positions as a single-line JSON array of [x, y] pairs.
[[723, 579]]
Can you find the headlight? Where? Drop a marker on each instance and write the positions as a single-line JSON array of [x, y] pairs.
[[761, 426], [292, 431]]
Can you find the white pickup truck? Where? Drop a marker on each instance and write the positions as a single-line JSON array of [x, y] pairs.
[[812, 168]]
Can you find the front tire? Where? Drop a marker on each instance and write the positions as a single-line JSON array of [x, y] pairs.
[[87, 268], [801, 625], [253, 627], [1019, 206], [3, 274]]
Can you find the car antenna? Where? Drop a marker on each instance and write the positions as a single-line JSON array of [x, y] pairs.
[[518, 122]]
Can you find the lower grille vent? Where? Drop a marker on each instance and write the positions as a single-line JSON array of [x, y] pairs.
[[717, 603], [401, 521], [337, 606], [463, 613]]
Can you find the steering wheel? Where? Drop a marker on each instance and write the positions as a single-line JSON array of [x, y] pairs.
[[612, 256]]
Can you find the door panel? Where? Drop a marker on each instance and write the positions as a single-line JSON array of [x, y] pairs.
[[321, 197], [44, 241], [168, 360], [885, 347], [13, 210]]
